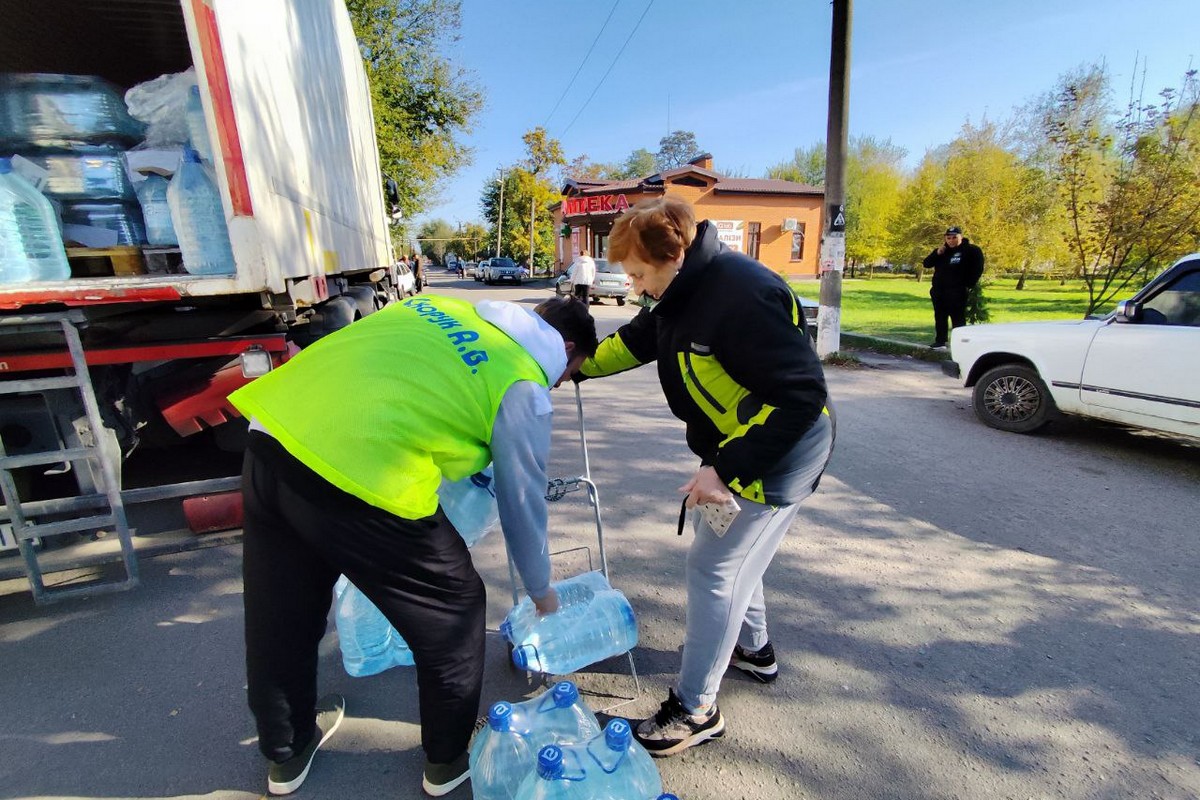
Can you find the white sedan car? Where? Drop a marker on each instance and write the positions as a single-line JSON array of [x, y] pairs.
[[1139, 366]]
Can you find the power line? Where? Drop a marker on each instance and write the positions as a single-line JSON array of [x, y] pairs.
[[610, 69], [581, 63]]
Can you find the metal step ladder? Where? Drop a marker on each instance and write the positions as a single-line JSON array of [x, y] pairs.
[[108, 501]]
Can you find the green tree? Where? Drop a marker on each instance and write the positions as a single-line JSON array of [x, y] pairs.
[[807, 166], [422, 103], [1130, 181], [676, 149], [474, 240], [542, 153], [638, 164], [917, 221], [436, 237]]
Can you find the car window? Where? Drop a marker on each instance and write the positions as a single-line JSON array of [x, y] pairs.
[[1178, 304], [603, 265], [503, 262]]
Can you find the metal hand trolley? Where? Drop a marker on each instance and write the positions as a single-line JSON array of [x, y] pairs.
[[556, 490]]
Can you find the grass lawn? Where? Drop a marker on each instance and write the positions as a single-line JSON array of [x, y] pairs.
[[897, 307]]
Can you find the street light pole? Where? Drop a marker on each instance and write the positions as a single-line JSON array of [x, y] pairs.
[[833, 241], [500, 218]]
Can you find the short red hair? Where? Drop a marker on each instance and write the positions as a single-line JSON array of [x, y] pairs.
[[656, 231]]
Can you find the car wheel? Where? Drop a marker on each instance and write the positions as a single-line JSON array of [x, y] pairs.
[[620, 301], [1013, 398]]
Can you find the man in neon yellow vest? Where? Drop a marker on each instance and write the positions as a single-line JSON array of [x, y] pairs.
[[349, 443]]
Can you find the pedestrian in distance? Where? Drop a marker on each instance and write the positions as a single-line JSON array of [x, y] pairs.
[[736, 365], [418, 272], [957, 266], [360, 499], [583, 275]]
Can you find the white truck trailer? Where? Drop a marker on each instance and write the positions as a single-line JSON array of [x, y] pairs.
[[93, 368]]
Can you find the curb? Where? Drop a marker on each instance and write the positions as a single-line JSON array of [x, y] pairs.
[[896, 347]]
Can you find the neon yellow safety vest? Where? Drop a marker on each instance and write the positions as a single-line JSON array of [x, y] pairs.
[[385, 407]]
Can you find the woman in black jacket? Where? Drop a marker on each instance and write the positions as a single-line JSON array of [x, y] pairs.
[[736, 365]]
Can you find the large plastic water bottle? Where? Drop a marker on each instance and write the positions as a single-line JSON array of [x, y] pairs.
[[470, 504], [626, 770], [557, 716], [369, 643], [196, 126], [577, 635], [560, 775], [31, 246], [520, 621], [501, 756], [152, 194], [199, 219]]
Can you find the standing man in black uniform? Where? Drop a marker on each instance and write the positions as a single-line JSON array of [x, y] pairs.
[[957, 266]]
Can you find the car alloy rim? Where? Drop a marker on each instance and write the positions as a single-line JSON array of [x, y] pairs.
[[1011, 398]]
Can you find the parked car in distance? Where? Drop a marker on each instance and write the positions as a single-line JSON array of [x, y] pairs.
[[503, 269], [406, 282], [611, 281], [1138, 366], [480, 269]]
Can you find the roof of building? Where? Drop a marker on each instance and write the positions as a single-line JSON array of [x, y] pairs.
[[721, 183]]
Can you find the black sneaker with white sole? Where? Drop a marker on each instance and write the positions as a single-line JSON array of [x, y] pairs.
[[674, 729], [758, 664], [440, 779], [286, 777]]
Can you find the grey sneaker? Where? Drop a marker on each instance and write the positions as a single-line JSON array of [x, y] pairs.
[[286, 778], [758, 664], [440, 779], [674, 729]]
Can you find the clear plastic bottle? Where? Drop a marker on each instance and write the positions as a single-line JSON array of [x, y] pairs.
[[578, 635], [560, 775], [470, 504], [31, 245], [199, 219], [369, 643], [501, 756], [626, 770], [196, 126], [152, 194], [556, 716], [578, 589]]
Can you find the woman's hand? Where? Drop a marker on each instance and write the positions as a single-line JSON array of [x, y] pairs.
[[547, 604], [705, 487]]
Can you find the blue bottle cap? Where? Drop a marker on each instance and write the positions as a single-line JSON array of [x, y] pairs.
[[5, 166], [550, 762], [191, 156], [195, 90], [667, 796], [618, 735], [506, 630], [565, 694], [520, 657], [500, 716]]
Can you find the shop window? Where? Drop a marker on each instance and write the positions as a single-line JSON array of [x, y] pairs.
[[600, 245], [798, 242], [753, 236]]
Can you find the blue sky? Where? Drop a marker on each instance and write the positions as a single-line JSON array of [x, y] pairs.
[[750, 77]]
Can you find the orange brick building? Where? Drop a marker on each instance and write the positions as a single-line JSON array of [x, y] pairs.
[[778, 222]]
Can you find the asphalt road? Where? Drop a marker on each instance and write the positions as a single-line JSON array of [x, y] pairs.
[[958, 613]]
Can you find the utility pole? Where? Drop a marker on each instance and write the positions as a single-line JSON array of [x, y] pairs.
[[532, 210], [500, 217], [833, 239]]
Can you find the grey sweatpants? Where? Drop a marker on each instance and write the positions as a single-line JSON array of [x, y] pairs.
[[725, 604]]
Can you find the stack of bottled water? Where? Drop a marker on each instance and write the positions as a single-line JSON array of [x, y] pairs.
[[505, 751], [594, 622], [199, 218], [31, 247], [369, 643], [609, 766]]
